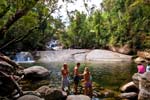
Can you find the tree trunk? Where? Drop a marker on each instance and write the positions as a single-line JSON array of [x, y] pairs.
[[14, 18]]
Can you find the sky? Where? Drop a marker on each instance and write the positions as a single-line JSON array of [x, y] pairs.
[[78, 5]]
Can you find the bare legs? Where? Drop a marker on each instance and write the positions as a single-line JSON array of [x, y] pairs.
[[88, 91], [76, 88]]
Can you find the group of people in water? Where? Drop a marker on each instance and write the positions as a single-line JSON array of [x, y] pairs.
[[86, 79], [142, 68]]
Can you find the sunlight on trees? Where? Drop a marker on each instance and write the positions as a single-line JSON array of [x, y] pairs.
[[29, 25]]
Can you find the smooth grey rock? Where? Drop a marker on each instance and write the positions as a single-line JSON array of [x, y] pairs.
[[78, 97], [129, 87], [29, 97], [129, 95], [52, 94], [36, 72], [144, 86], [105, 55], [81, 55], [143, 82]]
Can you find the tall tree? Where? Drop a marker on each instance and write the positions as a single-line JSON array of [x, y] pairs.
[[34, 29]]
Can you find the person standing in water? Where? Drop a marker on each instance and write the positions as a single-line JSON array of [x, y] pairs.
[[87, 82], [76, 77], [65, 79]]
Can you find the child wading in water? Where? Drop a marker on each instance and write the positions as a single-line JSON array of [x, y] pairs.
[[87, 82], [65, 79]]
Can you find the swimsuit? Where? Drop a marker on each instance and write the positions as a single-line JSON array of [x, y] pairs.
[[76, 79], [65, 82], [88, 84]]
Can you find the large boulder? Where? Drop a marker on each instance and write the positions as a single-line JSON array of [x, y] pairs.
[[81, 55], [29, 97], [8, 76], [125, 49], [144, 86], [78, 97], [143, 81], [135, 79], [129, 87], [7, 86], [36, 72], [139, 60], [7, 81], [144, 54], [129, 95], [105, 55], [52, 94], [5, 67]]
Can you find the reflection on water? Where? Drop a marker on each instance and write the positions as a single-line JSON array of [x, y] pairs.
[[108, 75], [112, 75]]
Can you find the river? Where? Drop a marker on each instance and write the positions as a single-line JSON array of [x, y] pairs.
[[105, 75]]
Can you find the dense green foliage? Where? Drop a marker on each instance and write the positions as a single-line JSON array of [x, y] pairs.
[[117, 23], [32, 30]]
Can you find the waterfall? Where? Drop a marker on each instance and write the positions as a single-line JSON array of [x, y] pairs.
[[24, 57]]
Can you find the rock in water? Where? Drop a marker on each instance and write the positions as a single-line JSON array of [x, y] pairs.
[[51, 93], [36, 72], [78, 97], [30, 97]]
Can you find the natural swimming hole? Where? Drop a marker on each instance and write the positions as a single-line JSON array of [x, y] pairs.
[[106, 76]]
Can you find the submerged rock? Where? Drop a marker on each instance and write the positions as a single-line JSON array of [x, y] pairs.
[[51, 93]]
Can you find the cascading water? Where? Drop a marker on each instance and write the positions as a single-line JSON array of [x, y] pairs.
[[24, 57]]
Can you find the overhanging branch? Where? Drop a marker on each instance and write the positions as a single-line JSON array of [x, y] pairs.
[[14, 18]]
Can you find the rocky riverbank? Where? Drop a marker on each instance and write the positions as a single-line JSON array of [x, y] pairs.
[[7, 67], [138, 89], [10, 89]]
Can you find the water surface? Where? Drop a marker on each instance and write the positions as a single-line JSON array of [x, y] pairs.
[[110, 75]]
